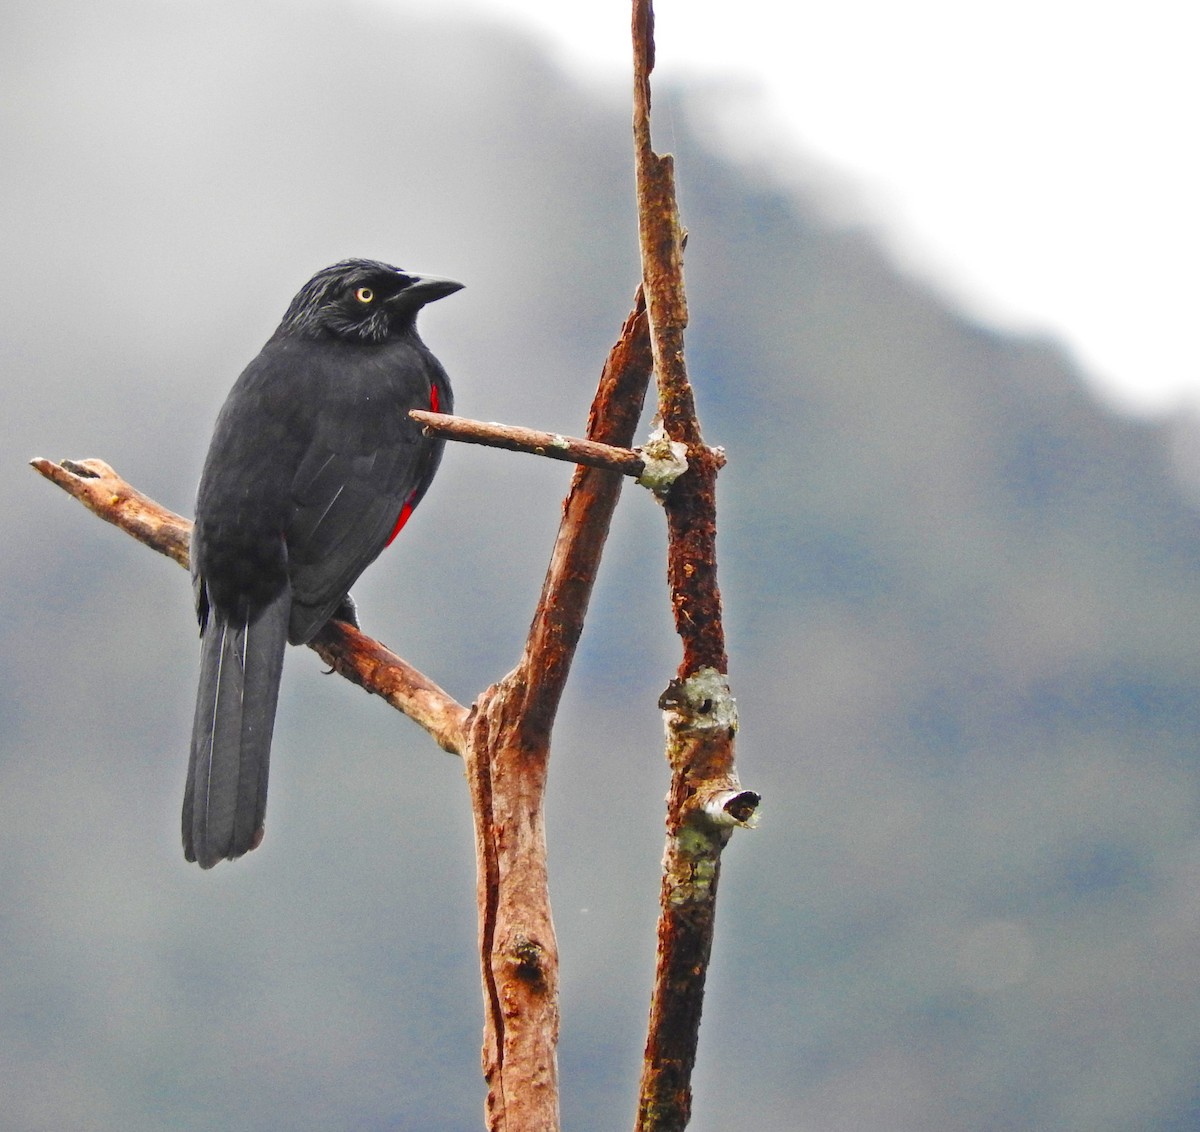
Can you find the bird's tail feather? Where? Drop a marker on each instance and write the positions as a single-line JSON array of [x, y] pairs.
[[226, 795]]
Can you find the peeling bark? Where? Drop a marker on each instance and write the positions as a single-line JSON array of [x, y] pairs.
[[705, 802]]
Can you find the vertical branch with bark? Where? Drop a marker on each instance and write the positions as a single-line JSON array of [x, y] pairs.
[[705, 802], [507, 754]]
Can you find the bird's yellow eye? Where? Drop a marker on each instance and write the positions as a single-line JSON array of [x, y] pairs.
[[364, 295]]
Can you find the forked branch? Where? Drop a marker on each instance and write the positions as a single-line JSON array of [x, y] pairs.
[[507, 759]]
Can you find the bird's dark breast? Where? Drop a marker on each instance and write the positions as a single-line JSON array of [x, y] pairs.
[[313, 460], [366, 462]]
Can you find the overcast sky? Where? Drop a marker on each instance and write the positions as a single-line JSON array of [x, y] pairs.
[[1036, 159]]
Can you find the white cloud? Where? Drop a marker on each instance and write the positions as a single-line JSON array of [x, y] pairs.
[[1035, 159]]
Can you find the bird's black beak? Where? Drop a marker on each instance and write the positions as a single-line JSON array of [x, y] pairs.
[[425, 289]]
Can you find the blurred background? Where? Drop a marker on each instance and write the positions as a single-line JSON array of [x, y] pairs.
[[961, 592]]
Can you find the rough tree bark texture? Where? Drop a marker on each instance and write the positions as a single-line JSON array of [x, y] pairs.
[[507, 755], [705, 801]]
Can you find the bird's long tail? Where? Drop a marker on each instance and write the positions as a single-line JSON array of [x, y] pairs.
[[226, 795]]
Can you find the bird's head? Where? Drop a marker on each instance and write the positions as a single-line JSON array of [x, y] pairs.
[[362, 300]]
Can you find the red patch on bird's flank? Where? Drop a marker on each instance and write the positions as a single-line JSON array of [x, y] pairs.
[[407, 509]]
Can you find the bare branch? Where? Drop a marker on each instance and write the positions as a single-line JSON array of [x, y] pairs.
[[347, 651], [706, 801], [375, 668], [661, 238], [587, 512], [691, 504], [104, 493], [507, 758], [516, 438]]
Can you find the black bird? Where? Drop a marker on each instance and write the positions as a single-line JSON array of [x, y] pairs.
[[313, 469]]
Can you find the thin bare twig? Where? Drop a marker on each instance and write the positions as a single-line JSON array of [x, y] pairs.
[[372, 666], [347, 651], [516, 438], [691, 505]]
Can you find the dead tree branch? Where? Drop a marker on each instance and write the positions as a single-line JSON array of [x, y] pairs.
[[515, 438], [104, 493], [347, 651], [706, 801], [507, 757], [372, 666]]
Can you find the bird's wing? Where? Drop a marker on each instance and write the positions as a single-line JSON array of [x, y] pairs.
[[355, 478]]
